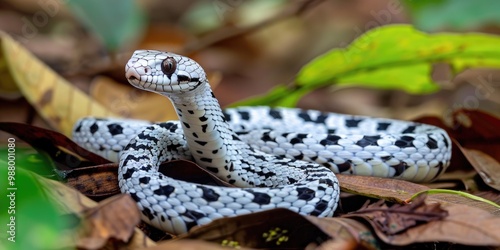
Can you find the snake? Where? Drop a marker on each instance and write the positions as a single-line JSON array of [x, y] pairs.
[[274, 157]]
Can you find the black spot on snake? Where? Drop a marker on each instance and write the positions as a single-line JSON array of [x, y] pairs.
[[382, 126], [368, 140], [244, 115], [186, 125], [206, 160], [351, 123], [431, 143], [386, 158], [147, 212], [344, 166], [295, 141], [202, 143], [78, 128], [212, 169], [209, 194], [405, 141], [135, 197], [115, 129], [275, 114], [306, 194], [227, 116], [400, 168], [266, 137], [306, 117], [190, 111], [144, 180], [204, 128], [409, 129], [320, 207], [445, 141], [193, 214], [330, 140], [94, 128], [203, 119], [195, 135], [164, 190], [260, 198]]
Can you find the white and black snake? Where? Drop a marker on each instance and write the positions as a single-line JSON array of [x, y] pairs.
[[279, 157]]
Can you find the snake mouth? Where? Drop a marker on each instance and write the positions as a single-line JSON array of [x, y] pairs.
[[133, 76]]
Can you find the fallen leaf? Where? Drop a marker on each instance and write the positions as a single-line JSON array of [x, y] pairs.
[[97, 182], [189, 245], [345, 231], [382, 188], [113, 219], [70, 201], [463, 225], [399, 218], [486, 166]]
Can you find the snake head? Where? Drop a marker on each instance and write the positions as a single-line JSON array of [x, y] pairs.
[[163, 72]]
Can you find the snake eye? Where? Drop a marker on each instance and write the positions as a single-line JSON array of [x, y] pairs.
[[168, 66]]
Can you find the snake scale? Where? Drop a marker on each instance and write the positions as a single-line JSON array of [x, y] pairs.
[[277, 157]]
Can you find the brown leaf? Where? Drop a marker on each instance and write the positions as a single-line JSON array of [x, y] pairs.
[[70, 201], [346, 232], [98, 182], [276, 228], [114, 218], [382, 188], [463, 225], [485, 165], [190, 245], [398, 218]]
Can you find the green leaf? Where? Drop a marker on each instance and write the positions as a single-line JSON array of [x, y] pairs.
[[391, 57], [116, 22], [30, 159], [27, 216], [432, 15]]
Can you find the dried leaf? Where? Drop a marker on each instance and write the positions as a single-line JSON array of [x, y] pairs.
[[113, 219], [463, 225], [345, 231], [71, 201], [399, 218], [485, 165], [276, 228], [382, 188], [189, 245], [97, 182]]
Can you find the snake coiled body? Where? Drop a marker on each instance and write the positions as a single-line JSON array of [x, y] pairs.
[[277, 157]]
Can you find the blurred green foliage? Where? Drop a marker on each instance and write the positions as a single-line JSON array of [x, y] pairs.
[[390, 57], [433, 15], [116, 22]]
